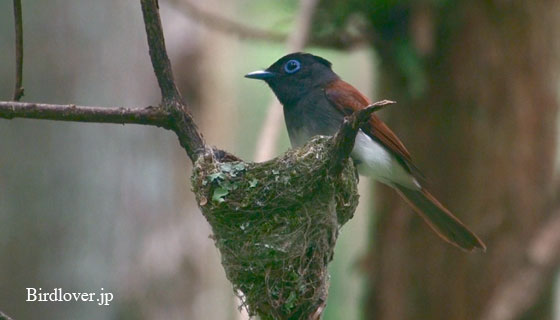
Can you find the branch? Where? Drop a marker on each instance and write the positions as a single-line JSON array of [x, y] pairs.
[[346, 136], [512, 298], [18, 21], [280, 264], [341, 40], [158, 54], [147, 116], [182, 122], [173, 114]]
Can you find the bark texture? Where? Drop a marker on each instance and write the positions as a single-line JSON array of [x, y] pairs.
[[478, 113]]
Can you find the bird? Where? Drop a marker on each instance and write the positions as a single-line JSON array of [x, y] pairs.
[[316, 101]]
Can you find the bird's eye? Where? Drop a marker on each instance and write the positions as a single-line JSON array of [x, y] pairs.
[[292, 66]]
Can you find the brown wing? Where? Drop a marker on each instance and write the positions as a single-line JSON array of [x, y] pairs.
[[348, 99]]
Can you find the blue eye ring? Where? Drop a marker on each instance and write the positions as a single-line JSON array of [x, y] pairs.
[[292, 66]]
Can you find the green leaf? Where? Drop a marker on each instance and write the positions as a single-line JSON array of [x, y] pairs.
[[225, 167], [213, 176], [290, 301], [219, 194], [240, 166], [253, 183], [233, 169]]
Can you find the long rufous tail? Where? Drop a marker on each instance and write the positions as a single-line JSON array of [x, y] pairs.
[[441, 220]]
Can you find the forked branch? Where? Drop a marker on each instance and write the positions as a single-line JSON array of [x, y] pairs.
[[314, 188], [181, 122]]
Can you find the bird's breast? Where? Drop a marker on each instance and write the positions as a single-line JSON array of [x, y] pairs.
[[311, 116]]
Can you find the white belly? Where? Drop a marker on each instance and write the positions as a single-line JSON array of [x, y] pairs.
[[376, 162]]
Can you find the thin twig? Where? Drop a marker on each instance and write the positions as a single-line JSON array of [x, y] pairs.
[[346, 135], [182, 121], [514, 297], [268, 136], [173, 114], [155, 116], [18, 21]]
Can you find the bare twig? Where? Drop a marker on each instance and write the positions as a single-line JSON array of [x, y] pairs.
[[173, 114], [268, 137], [346, 136], [182, 121], [341, 40], [512, 298], [148, 116], [18, 21]]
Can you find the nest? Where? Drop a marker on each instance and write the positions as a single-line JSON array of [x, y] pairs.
[[276, 223]]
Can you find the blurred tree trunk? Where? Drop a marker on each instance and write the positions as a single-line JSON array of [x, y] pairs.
[[477, 107]]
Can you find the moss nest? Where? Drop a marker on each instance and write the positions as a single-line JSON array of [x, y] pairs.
[[276, 223]]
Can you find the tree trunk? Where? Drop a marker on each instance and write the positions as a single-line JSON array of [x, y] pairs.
[[477, 108]]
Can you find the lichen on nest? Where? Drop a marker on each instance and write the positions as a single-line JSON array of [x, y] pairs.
[[276, 223]]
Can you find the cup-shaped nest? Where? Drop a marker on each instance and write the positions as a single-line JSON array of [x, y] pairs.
[[276, 224]]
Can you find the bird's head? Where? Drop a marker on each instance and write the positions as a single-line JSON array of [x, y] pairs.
[[295, 75]]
